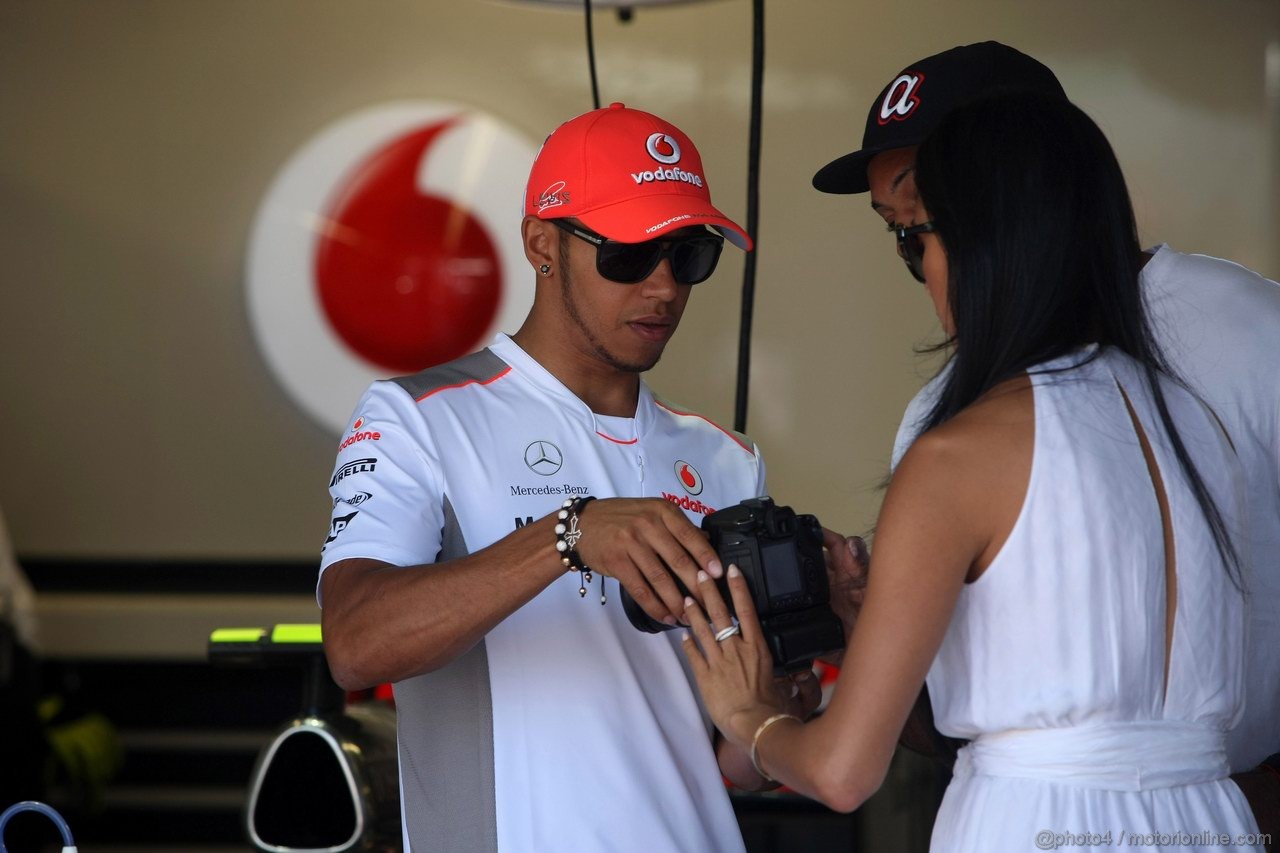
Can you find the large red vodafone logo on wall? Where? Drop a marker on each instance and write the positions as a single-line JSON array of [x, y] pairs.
[[388, 243]]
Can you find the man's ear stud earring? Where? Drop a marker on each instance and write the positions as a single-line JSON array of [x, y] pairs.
[[545, 269]]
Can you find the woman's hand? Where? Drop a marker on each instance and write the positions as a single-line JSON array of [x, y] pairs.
[[735, 673]]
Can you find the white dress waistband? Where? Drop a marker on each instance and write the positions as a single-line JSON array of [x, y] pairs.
[[1135, 756]]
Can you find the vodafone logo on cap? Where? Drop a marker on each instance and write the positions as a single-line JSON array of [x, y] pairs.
[[900, 100], [663, 148], [387, 243]]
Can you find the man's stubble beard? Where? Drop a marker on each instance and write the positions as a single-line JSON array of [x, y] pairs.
[[571, 307]]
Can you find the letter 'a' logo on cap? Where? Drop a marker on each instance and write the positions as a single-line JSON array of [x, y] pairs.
[[657, 143], [900, 100]]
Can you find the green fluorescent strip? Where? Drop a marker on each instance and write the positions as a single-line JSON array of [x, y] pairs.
[[237, 635], [296, 634]]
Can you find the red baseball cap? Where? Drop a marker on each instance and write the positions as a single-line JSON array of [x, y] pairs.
[[626, 174]]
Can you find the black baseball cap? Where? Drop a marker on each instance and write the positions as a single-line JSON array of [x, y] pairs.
[[918, 98]]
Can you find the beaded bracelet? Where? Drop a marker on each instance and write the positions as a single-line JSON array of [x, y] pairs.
[[568, 532], [755, 742]]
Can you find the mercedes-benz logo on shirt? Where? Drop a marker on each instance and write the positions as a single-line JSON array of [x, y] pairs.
[[543, 458]]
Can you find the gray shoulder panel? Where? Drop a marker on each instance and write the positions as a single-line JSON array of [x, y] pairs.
[[742, 437], [478, 367]]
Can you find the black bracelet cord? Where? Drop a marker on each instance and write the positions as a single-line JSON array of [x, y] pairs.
[[568, 532]]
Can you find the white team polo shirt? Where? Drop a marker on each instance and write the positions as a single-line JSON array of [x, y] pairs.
[[565, 729]]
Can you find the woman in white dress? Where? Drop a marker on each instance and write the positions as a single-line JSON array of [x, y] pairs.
[[1057, 554]]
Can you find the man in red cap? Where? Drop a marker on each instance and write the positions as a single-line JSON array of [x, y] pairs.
[[1217, 322], [494, 492]]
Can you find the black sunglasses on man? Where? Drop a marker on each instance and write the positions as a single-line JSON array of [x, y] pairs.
[[693, 259]]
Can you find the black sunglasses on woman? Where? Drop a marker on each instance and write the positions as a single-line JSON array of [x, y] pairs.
[[911, 247]]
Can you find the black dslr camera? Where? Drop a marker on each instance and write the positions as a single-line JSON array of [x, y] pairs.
[[780, 554]]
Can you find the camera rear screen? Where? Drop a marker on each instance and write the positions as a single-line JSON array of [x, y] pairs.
[[781, 571]]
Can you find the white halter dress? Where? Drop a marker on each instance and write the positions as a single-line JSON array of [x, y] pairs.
[[1054, 662]]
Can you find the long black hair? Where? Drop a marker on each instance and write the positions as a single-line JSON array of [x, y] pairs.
[[1030, 204]]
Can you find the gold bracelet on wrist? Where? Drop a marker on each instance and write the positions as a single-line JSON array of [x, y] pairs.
[[755, 742]]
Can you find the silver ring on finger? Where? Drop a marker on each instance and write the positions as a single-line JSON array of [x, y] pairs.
[[725, 633]]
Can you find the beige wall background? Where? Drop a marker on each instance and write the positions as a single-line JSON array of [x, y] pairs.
[[138, 137]]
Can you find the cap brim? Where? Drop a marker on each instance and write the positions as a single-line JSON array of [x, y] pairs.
[[638, 219], [847, 174]]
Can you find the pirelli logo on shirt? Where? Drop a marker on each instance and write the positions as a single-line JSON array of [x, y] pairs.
[[356, 466]]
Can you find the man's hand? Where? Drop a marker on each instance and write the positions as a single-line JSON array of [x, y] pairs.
[[804, 693], [643, 543], [847, 565]]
